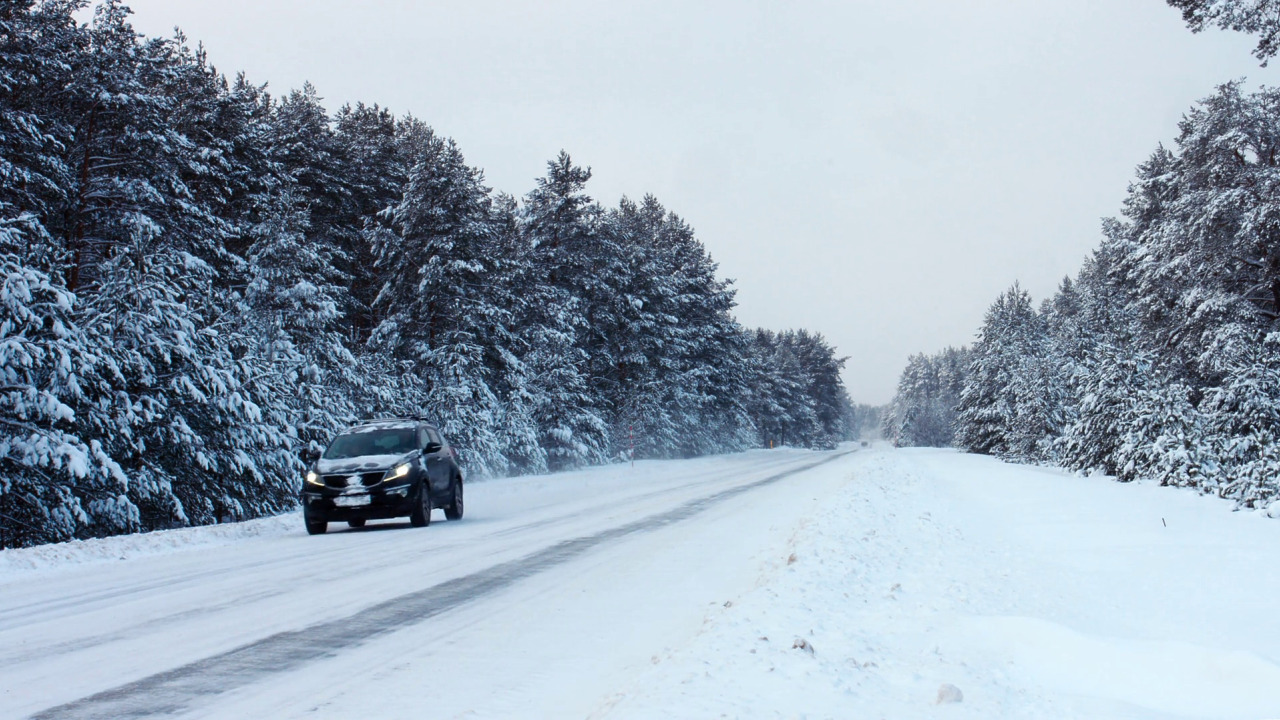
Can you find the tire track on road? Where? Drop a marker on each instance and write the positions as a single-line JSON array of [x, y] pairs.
[[175, 690]]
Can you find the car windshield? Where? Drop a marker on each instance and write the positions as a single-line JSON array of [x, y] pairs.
[[389, 441]]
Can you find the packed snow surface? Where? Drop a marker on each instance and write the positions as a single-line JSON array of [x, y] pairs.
[[881, 583]]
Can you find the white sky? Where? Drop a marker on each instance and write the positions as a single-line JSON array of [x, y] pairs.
[[874, 170]]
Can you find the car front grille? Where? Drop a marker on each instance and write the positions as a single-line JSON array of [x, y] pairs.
[[339, 481]]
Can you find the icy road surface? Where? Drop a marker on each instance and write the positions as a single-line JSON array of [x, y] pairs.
[[766, 584]]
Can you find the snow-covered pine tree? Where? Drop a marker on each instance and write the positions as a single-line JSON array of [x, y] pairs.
[[1105, 384], [636, 382], [783, 411], [1197, 248], [560, 223], [707, 349], [1038, 390], [702, 347], [148, 260], [675, 384], [908, 422], [1255, 17], [1196, 260], [292, 305], [440, 307], [1094, 336], [727, 357], [1240, 438], [988, 410], [1011, 405], [54, 483], [511, 378], [923, 411], [821, 368], [375, 151], [304, 144]]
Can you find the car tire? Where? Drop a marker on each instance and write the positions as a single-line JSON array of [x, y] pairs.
[[420, 516], [454, 510], [357, 523], [315, 526]]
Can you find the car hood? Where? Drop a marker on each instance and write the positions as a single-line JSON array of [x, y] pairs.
[[362, 464]]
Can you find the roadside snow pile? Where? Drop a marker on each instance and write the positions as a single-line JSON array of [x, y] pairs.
[[938, 584], [839, 627], [125, 547]]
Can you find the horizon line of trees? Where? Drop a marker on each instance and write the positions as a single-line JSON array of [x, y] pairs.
[[197, 279], [1161, 359]]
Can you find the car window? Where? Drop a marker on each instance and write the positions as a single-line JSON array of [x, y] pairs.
[[391, 441], [435, 437], [422, 437]]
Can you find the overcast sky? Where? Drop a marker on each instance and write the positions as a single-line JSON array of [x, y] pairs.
[[874, 170]]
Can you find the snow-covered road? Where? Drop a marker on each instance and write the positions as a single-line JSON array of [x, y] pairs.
[[676, 589]]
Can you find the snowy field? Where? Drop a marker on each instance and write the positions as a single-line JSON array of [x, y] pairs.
[[872, 583]]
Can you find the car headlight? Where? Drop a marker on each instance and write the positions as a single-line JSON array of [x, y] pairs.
[[397, 472], [314, 479]]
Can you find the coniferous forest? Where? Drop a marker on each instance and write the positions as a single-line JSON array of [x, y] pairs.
[[201, 278], [1161, 358]]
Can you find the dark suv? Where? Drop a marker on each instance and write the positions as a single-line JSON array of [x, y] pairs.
[[382, 469]]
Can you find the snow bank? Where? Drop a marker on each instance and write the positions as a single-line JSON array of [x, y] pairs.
[[126, 547], [939, 584]]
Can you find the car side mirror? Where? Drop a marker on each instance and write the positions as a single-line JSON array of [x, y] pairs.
[[431, 447], [308, 455]]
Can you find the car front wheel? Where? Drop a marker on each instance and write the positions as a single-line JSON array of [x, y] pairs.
[[315, 526], [454, 511], [420, 516]]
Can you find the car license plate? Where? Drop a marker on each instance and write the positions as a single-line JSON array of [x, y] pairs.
[[351, 500]]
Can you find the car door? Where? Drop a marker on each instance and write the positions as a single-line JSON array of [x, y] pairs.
[[436, 459]]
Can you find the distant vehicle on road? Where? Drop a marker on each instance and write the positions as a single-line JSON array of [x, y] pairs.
[[387, 468]]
